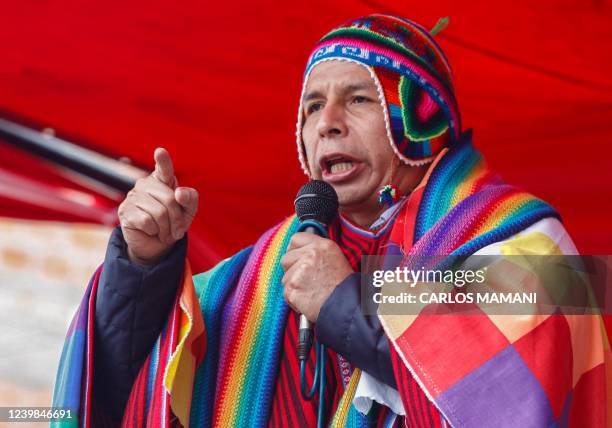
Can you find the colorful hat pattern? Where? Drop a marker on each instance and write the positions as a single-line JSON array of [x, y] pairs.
[[413, 77]]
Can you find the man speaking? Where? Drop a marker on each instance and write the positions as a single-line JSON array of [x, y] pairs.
[[152, 345]]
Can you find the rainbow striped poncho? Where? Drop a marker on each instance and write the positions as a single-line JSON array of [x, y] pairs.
[[215, 363]]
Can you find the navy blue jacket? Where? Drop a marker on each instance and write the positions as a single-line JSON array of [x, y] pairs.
[[133, 302]]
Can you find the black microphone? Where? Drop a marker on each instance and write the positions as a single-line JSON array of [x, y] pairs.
[[316, 206]]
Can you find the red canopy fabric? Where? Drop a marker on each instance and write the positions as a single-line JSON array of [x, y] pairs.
[[218, 85]]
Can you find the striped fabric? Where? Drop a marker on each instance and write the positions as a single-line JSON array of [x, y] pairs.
[[252, 325], [288, 407], [484, 370], [247, 376], [73, 381], [356, 242], [164, 382]]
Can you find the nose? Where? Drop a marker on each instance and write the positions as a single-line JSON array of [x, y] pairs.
[[332, 121]]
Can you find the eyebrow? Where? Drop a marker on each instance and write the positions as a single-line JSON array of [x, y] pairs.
[[353, 87]]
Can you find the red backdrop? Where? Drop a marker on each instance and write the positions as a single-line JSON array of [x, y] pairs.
[[218, 85]]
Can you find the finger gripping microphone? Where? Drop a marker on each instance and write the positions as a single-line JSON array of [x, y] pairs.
[[316, 206]]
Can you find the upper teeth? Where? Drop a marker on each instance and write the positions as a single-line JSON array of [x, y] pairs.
[[341, 166]]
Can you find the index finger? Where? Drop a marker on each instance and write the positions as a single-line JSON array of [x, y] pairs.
[[164, 170], [290, 257], [301, 239]]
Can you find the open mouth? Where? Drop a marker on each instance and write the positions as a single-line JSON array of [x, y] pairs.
[[339, 167]]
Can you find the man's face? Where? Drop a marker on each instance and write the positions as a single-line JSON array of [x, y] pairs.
[[344, 133]]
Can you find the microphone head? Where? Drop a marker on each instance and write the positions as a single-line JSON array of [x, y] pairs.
[[317, 200]]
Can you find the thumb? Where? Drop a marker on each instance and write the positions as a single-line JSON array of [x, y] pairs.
[[188, 199]]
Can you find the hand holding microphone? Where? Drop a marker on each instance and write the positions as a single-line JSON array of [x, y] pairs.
[[313, 264]]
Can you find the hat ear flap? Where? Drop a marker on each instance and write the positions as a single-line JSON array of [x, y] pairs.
[[422, 117]]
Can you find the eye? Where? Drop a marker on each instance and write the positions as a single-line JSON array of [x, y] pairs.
[[311, 108], [359, 99]]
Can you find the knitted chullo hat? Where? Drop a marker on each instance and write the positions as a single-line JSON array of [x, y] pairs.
[[413, 78]]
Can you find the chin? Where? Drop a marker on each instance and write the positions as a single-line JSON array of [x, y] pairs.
[[351, 197]]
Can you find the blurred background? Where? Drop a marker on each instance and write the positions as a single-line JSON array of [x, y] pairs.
[[88, 90]]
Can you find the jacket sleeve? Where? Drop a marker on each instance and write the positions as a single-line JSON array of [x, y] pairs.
[[359, 338], [132, 304]]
